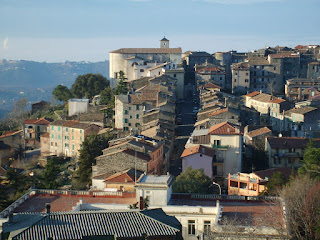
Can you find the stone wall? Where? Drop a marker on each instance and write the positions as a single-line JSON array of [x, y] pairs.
[[120, 162]]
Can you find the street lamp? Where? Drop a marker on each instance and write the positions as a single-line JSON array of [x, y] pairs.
[[214, 183]]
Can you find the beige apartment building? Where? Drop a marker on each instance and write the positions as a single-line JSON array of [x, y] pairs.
[[66, 137]]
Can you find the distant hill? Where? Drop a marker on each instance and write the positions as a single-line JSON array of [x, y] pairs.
[[35, 81]]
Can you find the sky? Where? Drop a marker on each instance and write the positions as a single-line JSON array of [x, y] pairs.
[[86, 30]]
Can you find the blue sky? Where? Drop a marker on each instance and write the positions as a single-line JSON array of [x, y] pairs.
[[76, 30]]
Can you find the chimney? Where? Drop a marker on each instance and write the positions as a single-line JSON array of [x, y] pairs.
[[10, 218], [141, 203], [48, 207]]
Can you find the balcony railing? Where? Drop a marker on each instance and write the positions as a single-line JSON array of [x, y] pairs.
[[220, 147]]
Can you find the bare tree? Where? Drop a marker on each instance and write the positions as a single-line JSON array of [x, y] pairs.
[[302, 198]]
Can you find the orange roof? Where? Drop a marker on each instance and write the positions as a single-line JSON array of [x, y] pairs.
[[219, 112], [9, 133], [211, 85], [41, 121], [225, 128], [255, 93], [277, 100], [198, 149], [259, 132], [124, 177]]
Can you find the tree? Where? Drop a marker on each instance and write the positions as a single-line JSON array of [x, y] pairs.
[[62, 93], [50, 173], [121, 87], [302, 199], [106, 96], [91, 148], [193, 181], [89, 85], [277, 181], [311, 162], [15, 118]]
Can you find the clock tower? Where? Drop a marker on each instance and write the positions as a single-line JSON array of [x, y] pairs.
[[164, 43]]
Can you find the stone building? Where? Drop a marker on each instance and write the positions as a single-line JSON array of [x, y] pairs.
[[131, 60], [33, 129], [301, 89], [142, 153]]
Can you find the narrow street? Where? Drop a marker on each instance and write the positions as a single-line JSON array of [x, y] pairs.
[[183, 131]]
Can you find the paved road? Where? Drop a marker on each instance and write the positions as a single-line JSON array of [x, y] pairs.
[[184, 131]]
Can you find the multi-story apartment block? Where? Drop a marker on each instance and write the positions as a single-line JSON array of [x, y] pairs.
[[302, 121], [301, 89], [33, 128], [286, 151], [66, 137], [240, 77], [211, 74], [227, 139], [129, 109], [313, 70]]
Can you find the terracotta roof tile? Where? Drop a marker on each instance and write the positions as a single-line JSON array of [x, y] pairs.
[[147, 50], [10, 133], [225, 128], [211, 85], [219, 112], [124, 177], [198, 149], [258, 132], [255, 93]]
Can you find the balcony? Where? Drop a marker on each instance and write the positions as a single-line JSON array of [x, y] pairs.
[[242, 191], [220, 147]]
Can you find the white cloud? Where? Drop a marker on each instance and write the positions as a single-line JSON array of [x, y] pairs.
[[5, 43], [241, 1]]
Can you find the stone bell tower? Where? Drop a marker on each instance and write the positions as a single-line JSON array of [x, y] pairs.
[[164, 43]]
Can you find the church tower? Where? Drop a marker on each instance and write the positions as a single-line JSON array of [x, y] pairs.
[[164, 43]]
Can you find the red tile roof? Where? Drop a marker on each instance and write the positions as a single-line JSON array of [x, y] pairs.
[[59, 203], [225, 128], [277, 100], [259, 132], [198, 149], [147, 50], [41, 121], [219, 112], [9, 133], [255, 93], [211, 85], [124, 177]]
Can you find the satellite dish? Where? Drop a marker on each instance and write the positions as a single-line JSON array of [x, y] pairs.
[[280, 135]]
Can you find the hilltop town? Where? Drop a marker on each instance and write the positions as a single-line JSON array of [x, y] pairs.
[[171, 145]]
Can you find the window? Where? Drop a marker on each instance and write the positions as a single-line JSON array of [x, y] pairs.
[[141, 70], [191, 227], [206, 227], [125, 120], [129, 108], [72, 147], [80, 131], [220, 78], [72, 130], [235, 80], [52, 136], [129, 124], [137, 107], [59, 137], [130, 117], [80, 138], [58, 128], [137, 116], [52, 128], [66, 129], [125, 111], [247, 74], [174, 75], [72, 137]]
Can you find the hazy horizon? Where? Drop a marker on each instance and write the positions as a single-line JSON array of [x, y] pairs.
[[57, 31]]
